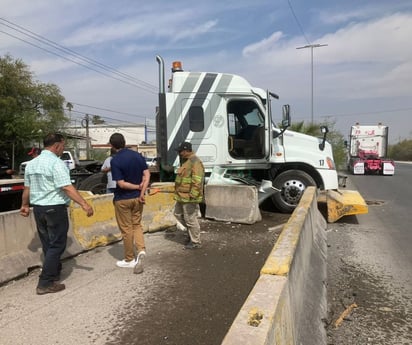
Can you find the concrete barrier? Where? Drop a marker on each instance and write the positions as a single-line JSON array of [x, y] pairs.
[[159, 206], [288, 302], [20, 247], [232, 203]]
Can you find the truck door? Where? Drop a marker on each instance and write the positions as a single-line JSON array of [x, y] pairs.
[[246, 128]]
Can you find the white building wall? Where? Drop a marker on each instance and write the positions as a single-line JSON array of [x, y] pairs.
[[100, 135]]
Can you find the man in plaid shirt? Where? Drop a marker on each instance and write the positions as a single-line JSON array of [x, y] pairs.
[[48, 188]]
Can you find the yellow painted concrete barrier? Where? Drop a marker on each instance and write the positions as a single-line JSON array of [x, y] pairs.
[[98, 230], [159, 206], [288, 302], [20, 247]]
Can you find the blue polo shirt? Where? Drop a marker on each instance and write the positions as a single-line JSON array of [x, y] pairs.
[[127, 165], [46, 175]]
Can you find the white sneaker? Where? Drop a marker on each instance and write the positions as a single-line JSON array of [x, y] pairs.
[[138, 268], [126, 264]]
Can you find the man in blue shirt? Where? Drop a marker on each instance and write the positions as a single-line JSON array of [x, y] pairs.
[[132, 176], [48, 188]]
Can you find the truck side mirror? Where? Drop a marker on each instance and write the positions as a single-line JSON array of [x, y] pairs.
[[324, 130], [286, 116]]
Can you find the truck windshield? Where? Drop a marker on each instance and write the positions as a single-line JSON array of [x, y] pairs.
[[65, 156]]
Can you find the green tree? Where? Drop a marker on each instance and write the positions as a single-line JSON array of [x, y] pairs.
[[401, 151], [28, 108], [97, 120], [334, 137]]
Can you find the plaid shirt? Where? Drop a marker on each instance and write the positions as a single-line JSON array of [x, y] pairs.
[[46, 175]]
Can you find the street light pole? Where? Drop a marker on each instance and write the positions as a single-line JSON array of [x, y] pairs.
[[311, 46]]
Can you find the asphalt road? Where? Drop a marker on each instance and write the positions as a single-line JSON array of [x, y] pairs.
[[370, 265], [183, 297]]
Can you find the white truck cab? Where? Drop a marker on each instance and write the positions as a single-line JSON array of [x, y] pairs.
[[230, 126]]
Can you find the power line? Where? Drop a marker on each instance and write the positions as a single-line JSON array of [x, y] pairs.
[[69, 51], [81, 113], [134, 81], [109, 110], [297, 22], [76, 62], [362, 113]]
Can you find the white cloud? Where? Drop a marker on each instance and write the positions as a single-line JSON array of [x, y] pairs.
[[48, 66], [368, 57], [263, 45], [193, 32]]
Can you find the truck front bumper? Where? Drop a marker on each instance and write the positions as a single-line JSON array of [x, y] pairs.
[[341, 203]]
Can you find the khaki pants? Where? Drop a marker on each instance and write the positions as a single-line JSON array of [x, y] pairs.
[[129, 215], [187, 213]]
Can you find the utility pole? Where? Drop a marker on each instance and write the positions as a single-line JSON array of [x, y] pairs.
[[85, 123], [311, 46]]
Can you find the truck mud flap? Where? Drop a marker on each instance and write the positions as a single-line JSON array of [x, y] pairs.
[[342, 203]]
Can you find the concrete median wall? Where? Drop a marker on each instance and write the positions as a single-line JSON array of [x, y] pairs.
[[20, 247], [288, 302], [232, 203]]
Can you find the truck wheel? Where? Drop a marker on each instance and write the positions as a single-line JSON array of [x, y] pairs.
[[95, 183], [292, 184]]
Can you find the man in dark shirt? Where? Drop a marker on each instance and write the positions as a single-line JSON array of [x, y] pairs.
[[132, 176]]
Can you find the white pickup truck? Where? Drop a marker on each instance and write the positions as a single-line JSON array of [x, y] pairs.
[[84, 174], [67, 158]]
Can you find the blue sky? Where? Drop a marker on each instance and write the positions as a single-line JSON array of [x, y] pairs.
[[364, 74]]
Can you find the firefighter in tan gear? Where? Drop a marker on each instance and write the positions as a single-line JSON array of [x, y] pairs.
[[189, 184]]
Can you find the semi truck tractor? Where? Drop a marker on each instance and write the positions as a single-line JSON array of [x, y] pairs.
[[232, 129], [368, 146]]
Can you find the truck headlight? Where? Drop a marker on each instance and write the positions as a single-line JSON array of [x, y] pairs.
[[330, 163]]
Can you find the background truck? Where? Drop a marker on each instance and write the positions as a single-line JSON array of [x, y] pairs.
[[80, 171], [84, 174], [229, 123], [10, 188], [10, 194], [368, 145]]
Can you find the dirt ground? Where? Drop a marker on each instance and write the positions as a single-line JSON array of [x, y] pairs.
[[211, 284]]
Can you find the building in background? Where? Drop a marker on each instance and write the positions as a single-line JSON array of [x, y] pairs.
[[135, 135]]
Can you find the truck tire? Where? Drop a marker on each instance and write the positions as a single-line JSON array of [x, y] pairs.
[[292, 184], [95, 183]]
